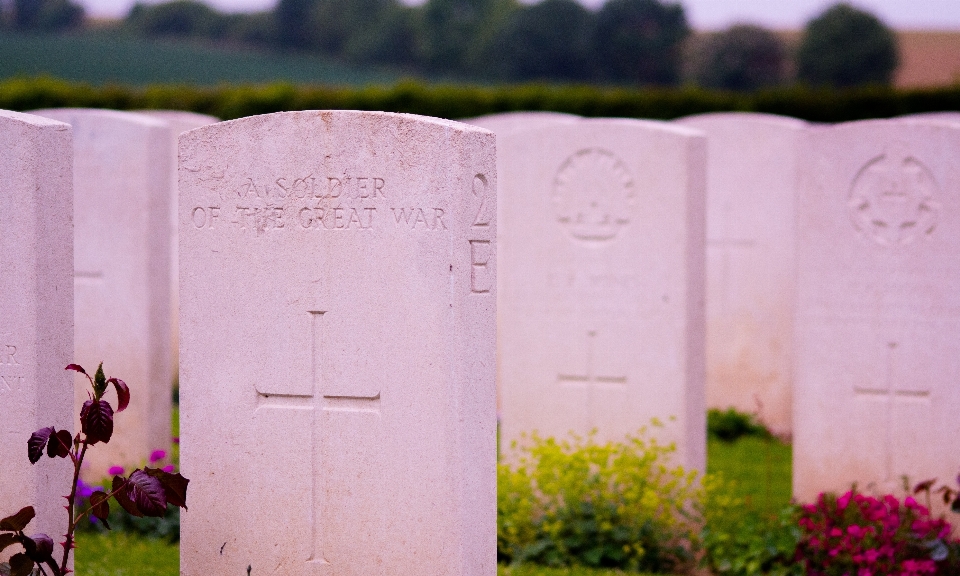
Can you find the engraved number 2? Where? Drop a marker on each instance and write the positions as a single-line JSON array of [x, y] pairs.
[[480, 189]]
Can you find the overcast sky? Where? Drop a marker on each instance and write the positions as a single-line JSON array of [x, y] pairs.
[[703, 14]]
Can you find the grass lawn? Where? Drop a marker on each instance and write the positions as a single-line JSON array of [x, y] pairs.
[[761, 468], [122, 554]]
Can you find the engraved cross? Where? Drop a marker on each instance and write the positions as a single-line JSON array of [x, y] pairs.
[[318, 403], [589, 377], [727, 245], [890, 394]]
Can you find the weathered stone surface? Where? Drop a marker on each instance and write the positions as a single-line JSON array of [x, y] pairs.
[[877, 355], [179, 122], [751, 178], [36, 313], [337, 329], [121, 183], [601, 309]]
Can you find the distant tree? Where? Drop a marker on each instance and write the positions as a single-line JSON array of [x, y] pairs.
[[364, 31], [846, 46], [46, 15], [389, 36], [640, 41], [333, 23], [294, 23], [548, 40], [743, 57], [455, 34], [257, 28], [177, 18]]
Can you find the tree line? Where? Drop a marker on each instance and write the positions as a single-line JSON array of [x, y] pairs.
[[624, 42]]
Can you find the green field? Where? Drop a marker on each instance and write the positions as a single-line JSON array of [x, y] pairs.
[[102, 57], [122, 554], [761, 468]]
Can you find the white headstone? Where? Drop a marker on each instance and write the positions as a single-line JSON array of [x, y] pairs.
[[877, 354], [501, 124], [751, 176], [601, 309], [948, 117], [179, 122], [338, 274], [36, 313], [121, 243], [508, 121]]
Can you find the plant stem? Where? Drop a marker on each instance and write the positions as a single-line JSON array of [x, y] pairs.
[[68, 543], [110, 494]]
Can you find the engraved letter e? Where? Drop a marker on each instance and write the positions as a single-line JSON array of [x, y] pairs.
[[479, 261]]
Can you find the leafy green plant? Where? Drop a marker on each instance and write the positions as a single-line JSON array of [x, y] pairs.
[[612, 505], [729, 425], [145, 492], [740, 541]]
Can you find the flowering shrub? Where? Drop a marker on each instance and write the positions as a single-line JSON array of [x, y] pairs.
[[599, 505], [860, 535]]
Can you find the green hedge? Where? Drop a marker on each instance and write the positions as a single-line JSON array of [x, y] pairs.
[[458, 101]]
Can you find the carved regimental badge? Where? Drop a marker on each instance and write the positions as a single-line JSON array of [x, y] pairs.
[[593, 195], [892, 200]]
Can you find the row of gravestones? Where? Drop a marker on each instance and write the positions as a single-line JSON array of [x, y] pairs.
[[339, 280]]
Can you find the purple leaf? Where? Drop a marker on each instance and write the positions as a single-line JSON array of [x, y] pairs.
[[956, 505], [21, 565], [37, 442], [123, 393], [96, 420], [59, 445], [174, 486], [38, 547], [147, 493], [924, 486], [18, 521], [76, 367], [8, 539], [122, 496], [101, 506]]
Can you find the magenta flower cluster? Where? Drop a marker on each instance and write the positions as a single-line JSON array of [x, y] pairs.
[[859, 535]]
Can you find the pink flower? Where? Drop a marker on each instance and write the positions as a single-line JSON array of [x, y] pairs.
[[115, 470], [168, 469], [157, 455], [843, 501]]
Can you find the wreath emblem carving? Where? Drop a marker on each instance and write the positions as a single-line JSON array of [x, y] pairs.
[[593, 195], [892, 199]]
